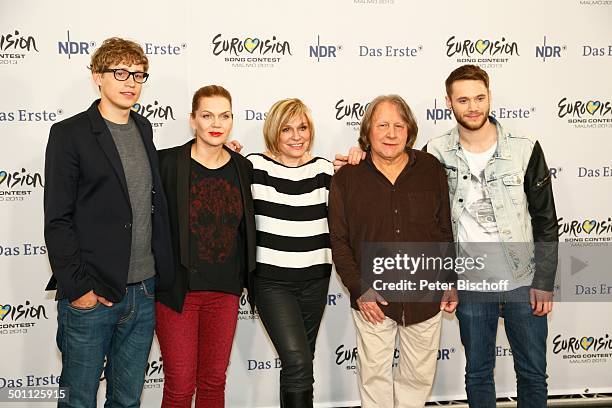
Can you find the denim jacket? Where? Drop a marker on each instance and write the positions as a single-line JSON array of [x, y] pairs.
[[518, 182]]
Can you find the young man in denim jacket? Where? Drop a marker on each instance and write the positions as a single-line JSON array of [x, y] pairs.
[[502, 205]]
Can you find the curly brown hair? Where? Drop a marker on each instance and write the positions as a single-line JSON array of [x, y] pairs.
[[116, 50]]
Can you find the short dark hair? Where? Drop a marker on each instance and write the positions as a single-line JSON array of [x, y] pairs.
[[467, 72]]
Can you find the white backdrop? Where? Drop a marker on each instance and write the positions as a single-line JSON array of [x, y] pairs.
[[549, 62]]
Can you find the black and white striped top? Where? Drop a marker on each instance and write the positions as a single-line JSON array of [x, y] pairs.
[[291, 218]]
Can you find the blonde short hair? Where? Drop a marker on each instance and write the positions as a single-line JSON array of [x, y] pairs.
[[281, 113]]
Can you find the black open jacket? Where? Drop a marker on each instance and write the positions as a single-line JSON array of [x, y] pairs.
[[175, 167]]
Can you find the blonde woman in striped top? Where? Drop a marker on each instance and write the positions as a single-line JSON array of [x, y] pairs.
[[290, 190]]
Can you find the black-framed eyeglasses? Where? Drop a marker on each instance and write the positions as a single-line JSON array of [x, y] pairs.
[[123, 75]]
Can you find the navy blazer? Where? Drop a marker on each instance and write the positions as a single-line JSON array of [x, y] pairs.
[[88, 216], [175, 169]]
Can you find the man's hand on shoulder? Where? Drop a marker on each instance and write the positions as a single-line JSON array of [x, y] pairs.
[[354, 156], [234, 145]]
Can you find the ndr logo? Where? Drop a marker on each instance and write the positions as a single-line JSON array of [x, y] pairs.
[[438, 113], [554, 171], [549, 51], [70, 47], [319, 51], [334, 298]]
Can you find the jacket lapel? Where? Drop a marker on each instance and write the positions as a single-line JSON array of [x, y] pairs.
[[183, 167], [105, 139]]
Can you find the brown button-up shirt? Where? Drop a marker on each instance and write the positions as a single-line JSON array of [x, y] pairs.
[[365, 207]]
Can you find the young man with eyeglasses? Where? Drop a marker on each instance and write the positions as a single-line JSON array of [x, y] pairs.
[[107, 233]]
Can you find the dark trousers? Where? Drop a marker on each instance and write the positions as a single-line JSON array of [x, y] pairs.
[[291, 313]]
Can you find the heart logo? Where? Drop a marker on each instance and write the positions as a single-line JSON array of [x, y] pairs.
[[4, 311], [482, 45], [587, 226], [586, 342], [2, 176], [250, 44], [592, 106]]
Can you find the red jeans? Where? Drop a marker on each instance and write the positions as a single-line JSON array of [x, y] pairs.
[[196, 345]]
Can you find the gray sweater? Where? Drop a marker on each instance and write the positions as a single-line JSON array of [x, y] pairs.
[[137, 172]]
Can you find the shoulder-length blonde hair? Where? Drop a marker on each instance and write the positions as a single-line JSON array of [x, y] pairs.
[[281, 113]]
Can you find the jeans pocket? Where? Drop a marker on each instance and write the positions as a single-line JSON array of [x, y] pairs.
[[82, 309], [148, 288]]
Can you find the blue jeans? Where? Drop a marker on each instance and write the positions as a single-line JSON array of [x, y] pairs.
[[478, 315], [121, 333]]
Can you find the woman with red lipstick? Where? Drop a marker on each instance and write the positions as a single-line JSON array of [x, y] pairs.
[[213, 234], [290, 190]]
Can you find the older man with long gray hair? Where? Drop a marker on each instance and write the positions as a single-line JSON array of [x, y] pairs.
[[396, 195]]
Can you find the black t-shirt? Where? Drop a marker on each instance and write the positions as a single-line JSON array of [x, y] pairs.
[[215, 217]]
